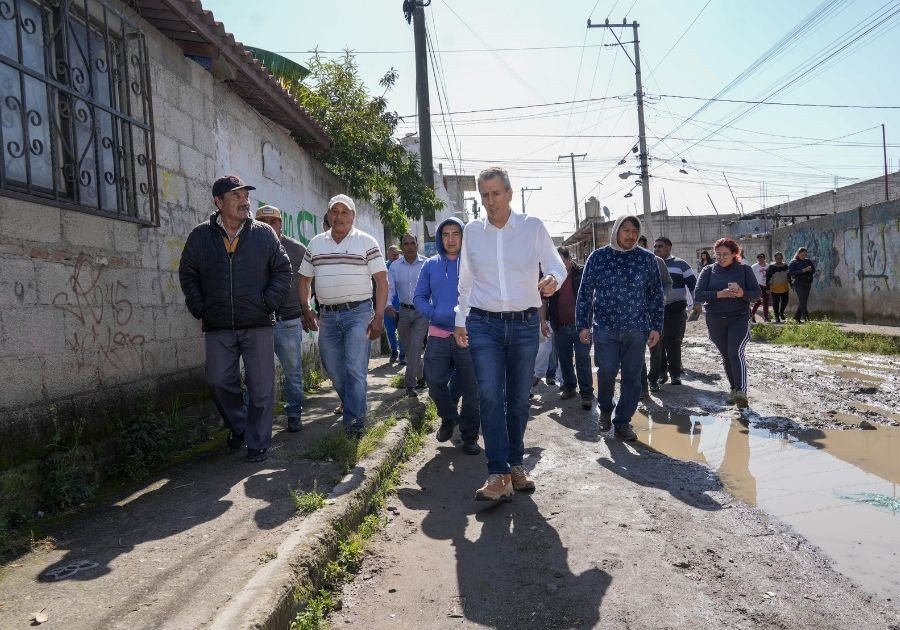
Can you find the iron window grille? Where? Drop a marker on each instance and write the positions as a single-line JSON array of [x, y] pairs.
[[76, 118]]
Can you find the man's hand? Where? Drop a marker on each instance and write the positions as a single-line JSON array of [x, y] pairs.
[[462, 338], [585, 336], [309, 320], [376, 326], [390, 312], [545, 328], [547, 286], [653, 338]]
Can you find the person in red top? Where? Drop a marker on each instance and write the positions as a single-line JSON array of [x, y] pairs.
[[561, 314]]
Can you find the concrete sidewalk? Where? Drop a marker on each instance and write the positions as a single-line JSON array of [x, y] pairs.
[[215, 542], [869, 329]]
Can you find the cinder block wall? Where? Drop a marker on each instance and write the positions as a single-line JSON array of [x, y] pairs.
[[857, 255], [91, 311]]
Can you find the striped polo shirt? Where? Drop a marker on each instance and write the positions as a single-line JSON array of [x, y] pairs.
[[342, 271]]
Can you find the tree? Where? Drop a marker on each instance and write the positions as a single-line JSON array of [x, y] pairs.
[[364, 152]]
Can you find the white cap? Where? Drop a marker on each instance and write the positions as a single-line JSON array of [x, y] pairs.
[[344, 199]]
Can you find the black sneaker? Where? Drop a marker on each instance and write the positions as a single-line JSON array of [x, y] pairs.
[[421, 384], [625, 432], [445, 431], [587, 402], [471, 448], [235, 440], [551, 382], [411, 392], [257, 455], [605, 420], [295, 424], [393, 358], [676, 380], [664, 378], [654, 386]]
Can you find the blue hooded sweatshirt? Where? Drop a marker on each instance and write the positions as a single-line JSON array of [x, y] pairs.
[[437, 291]]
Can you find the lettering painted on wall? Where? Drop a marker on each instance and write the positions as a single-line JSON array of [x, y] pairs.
[[102, 347], [301, 225]]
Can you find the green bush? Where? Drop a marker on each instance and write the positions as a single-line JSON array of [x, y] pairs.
[[70, 473], [307, 502]]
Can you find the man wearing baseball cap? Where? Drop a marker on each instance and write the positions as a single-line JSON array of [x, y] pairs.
[[288, 329], [344, 261], [234, 273]]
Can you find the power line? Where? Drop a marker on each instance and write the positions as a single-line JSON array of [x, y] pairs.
[[441, 86], [678, 96], [678, 41], [445, 51]]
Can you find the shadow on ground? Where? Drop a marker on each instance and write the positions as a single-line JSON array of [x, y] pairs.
[[512, 569]]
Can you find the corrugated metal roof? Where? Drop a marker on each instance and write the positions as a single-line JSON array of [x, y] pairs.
[[190, 26]]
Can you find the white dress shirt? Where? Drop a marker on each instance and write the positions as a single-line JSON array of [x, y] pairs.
[[402, 278], [499, 267]]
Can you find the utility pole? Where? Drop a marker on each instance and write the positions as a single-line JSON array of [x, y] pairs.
[[642, 134], [572, 157], [887, 193], [415, 10], [523, 195]]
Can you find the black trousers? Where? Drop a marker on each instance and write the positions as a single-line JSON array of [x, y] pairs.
[[730, 335], [779, 303], [666, 355], [802, 291]]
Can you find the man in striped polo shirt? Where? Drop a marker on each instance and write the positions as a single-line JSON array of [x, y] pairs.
[[344, 261], [666, 355]]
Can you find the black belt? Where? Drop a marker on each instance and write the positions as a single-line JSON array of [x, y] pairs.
[[344, 306], [285, 319], [508, 315], [402, 305]]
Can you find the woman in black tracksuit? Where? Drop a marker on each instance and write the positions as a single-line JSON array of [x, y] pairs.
[[728, 288]]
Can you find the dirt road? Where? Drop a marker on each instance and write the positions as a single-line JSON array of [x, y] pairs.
[[646, 535]]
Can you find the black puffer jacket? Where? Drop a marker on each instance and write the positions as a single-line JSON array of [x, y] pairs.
[[238, 290]]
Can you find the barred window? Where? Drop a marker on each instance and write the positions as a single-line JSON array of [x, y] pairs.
[[76, 120]]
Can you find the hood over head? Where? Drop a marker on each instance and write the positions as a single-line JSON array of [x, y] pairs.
[[614, 232], [438, 242]]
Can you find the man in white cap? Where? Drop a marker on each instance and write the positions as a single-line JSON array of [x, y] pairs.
[[344, 261]]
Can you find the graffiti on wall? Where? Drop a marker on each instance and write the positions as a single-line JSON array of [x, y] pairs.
[[875, 259], [821, 249], [100, 344], [301, 225]]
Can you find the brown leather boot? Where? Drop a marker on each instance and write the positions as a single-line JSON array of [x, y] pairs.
[[496, 488], [520, 481]]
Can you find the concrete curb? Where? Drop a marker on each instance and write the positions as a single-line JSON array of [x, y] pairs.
[[267, 600]]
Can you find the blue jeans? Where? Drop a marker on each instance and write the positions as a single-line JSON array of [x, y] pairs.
[[390, 329], [503, 353], [344, 346], [289, 350], [450, 376], [615, 351], [568, 344]]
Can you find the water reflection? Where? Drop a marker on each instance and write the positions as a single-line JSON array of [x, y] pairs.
[[805, 478]]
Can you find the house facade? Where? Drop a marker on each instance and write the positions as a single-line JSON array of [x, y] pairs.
[[115, 122]]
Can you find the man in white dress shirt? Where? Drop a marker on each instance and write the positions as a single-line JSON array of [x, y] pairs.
[[412, 326], [497, 318]]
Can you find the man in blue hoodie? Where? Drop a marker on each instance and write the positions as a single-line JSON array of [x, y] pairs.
[[448, 367], [621, 286]]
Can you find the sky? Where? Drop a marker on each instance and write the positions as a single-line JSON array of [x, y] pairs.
[[529, 59]]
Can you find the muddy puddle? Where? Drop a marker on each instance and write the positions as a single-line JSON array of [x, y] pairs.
[[839, 489]]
